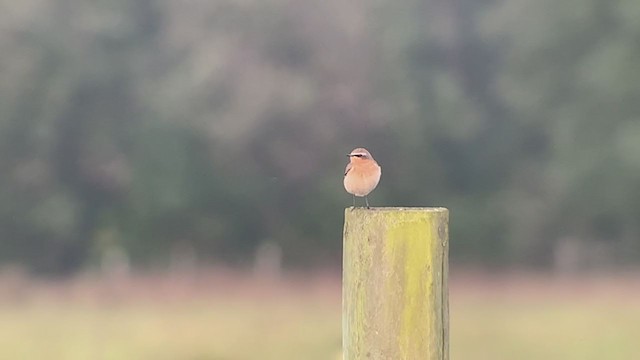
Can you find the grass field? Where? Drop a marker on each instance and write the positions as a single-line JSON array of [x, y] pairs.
[[229, 318]]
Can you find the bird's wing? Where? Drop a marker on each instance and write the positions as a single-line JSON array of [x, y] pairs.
[[347, 169]]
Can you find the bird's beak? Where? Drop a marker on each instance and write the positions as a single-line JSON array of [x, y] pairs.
[[348, 155]]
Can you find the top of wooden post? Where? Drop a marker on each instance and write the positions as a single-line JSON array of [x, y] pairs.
[[398, 208]]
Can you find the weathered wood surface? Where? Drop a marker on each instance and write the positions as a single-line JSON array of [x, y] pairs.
[[395, 302]]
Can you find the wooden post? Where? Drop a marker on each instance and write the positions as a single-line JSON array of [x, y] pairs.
[[395, 303]]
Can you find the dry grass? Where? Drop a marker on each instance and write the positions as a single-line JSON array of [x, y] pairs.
[[229, 317], [524, 317]]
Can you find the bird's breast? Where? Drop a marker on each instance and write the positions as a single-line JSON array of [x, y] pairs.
[[362, 179]]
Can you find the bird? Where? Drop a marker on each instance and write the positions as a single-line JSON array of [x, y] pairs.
[[362, 174]]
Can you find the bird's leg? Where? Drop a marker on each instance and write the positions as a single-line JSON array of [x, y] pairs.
[[366, 201], [354, 201]]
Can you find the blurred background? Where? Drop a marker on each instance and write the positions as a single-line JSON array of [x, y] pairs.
[[171, 172]]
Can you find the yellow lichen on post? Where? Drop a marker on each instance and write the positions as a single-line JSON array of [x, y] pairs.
[[394, 289]]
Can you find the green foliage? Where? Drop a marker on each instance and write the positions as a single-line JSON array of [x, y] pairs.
[[217, 126]]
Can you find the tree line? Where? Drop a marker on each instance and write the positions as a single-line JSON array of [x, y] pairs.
[[221, 126]]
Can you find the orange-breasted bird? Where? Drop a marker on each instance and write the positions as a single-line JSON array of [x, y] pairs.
[[361, 175]]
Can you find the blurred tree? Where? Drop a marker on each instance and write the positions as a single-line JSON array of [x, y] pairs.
[[220, 126], [570, 76]]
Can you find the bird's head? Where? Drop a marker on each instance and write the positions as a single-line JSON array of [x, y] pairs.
[[359, 155]]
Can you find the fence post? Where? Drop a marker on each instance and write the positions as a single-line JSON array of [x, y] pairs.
[[395, 303]]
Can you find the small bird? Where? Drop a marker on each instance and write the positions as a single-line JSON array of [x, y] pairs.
[[361, 175]]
